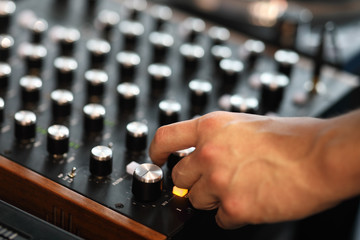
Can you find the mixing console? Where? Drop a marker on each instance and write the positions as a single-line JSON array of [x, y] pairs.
[[85, 85]]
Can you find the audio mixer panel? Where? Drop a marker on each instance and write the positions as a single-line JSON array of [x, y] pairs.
[[85, 85]]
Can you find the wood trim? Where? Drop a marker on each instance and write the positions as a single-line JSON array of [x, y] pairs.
[[65, 208]]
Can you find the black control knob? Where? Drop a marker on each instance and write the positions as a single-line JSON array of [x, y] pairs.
[[169, 112], [5, 73], [128, 62], [61, 103], [25, 126], [7, 9], [220, 52], [38, 28], [131, 30], [161, 43], [2, 107], [253, 49], [34, 55], [65, 68], [128, 95], [192, 53], [244, 105], [135, 7], [200, 91], [159, 75], [286, 59], [175, 157], [99, 50], [66, 38], [96, 81], [136, 136], [161, 15], [30, 89], [147, 182], [105, 21], [219, 35], [101, 160], [272, 90], [58, 141], [192, 28], [94, 115], [231, 69], [6, 44]]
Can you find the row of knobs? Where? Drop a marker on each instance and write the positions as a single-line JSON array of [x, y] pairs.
[[128, 61], [58, 135], [147, 178]]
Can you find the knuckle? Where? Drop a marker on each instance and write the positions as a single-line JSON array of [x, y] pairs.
[[233, 210], [159, 135], [217, 180], [194, 201]]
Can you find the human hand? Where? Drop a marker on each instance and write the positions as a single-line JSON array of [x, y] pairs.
[[254, 169]]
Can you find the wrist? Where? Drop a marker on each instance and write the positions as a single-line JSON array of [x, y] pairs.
[[340, 153]]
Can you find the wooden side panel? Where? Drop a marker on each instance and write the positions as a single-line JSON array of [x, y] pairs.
[[65, 208]]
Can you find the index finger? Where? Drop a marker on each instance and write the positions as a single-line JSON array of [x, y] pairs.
[[171, 138]]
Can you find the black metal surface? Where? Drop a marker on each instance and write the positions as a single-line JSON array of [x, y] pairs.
[[168, 214]]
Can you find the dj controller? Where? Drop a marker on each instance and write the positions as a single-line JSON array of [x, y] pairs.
[[85, 84]]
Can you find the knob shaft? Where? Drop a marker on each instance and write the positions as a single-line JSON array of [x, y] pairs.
[[58, 140], [220, 52], [6, 44], [101, 161], [231, 69], [7, 10], [192, 54], [66, 38], [161, 43], [286, 59], [5, 73], [128, 95], [135, 7], [96, 82], [147, 182], [25, 126], [200, 90], [94, 115], [106, 20], [253, 49], [193, 27], [244, 105], [61, 103], [136, 136], [34, 55], [219, 35], [272, 90], [161, 15], [30, 89], [128, 62], [159, 75], [2, 107], [38, 28], [169, 112], [99, 50], [65, 71], [131, 30]]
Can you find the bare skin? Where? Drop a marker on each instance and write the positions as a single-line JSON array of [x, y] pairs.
[[257, 169]]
